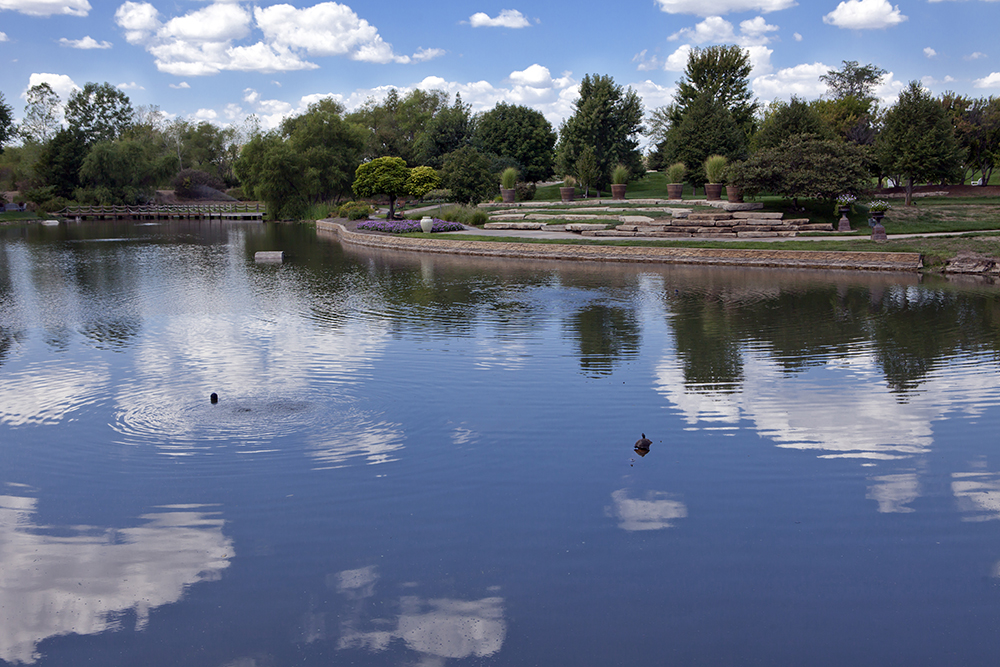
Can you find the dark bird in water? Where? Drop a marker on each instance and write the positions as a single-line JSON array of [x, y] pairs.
[[214, 398], [643, 442]]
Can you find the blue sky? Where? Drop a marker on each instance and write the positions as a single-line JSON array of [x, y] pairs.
[[224, 60]]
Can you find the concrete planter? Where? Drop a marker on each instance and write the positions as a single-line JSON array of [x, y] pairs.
[[675, 190], [618, 190], [713, 191]]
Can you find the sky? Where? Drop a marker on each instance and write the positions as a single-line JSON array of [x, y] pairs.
[[224, 60]]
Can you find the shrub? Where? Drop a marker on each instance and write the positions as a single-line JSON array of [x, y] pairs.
[[676, 173], [569, 182], [354, 210], [441, 194], [237, 193], [466, 215], [715, 168], [408, 226], [508, 179], [186, 181], [525, 191]]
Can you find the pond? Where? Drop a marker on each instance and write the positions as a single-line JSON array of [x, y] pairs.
[[430, 460]]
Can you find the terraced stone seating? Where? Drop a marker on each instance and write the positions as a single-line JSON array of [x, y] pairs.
[[714, 225]]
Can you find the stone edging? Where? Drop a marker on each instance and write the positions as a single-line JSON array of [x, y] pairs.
[[799, 259]]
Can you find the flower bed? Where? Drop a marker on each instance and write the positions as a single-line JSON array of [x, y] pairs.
[[407, 226]]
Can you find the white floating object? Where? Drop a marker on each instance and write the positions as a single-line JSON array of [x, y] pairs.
[[50, 223], [269, 256]]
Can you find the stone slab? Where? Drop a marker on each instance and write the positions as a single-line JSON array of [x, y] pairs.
[[514, 225], [769, 215], [584, 226]]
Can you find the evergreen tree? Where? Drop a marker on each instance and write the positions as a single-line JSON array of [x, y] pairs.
[[466, 172], [789, 119], [608, 119], [708, 128], [721, 73]]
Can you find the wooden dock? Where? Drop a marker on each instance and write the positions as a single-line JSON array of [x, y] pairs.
[[227, 211]]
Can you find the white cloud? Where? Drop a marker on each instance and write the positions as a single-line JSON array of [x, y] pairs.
[[975, 56], [205, 114], [991, 81], [797, 36], [180, 86], [63, 85], [712, 29], [754, 31], [760, 60], [47, 7], [535, 75], [865, 15], [205, 41], [129, 86], [801, 81], [929, 52], [508, 18], [677, 61], [702, 8], [3, 37], [87, 42]]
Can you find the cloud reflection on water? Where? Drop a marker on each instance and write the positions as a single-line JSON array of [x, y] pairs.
[[63, 580], [655, 511], [436, 629]]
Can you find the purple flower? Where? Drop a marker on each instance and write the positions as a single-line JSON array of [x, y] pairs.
[[407, 226]]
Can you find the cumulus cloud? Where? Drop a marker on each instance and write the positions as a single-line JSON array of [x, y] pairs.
[[929, 52], [701, 8], [712, 29], [801, 81], [865, 15], [206, 41], [3, 37], [975, 56], [797, 36], [991, 81], [183, 85], [47, 7], [62, 85], [508, 18], [752, 36], [87, 42], [677, 61], [129, 86]]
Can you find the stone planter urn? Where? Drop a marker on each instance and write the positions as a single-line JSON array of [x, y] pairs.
[[675, 190], [427, 224], [567, 194], [507, 195], [733, 194], [713, 191], [618, 190]]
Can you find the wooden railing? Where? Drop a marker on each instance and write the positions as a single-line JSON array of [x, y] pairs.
[[251, 209]]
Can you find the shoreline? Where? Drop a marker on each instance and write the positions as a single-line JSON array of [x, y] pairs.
[[776, 258]]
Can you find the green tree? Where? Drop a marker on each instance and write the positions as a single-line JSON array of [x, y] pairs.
[[722, 73], [382, 176], [977, 127], [786, 119], [917, 141], [125, 171], [448, 130], [41, 116], [466, 172], [6, 122], [586, 170], [60, 161], [422, 180], [396, 125], [270, 170], [853, 80], [100, 111], [608, 118], [329, 146], [708, 128], [520, 133], [804, 166]]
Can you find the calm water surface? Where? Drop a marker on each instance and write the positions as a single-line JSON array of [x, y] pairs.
[[429, 460]]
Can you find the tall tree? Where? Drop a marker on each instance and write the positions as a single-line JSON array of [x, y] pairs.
[[707, 128], [271, 171], [722, 73], [853, 80], [100, 111], [608, 118], [125, 171], [977, 126], [382, 176], [60, 161], [41, 114], [330, 146], [396, 124], [917, 141], [466, 172], [6, 122], [448, 130], [521, 133]]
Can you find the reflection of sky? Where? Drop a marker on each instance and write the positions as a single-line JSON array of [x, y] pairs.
[[894, 492], [436, 629], [978, 495], [654, 511], [76, 579], [844, 409], [47, 393]]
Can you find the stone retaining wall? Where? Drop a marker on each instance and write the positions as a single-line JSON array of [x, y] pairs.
[[867, 261]]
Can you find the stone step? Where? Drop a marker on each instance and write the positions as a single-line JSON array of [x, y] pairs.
[[584, 227], [514, 225]]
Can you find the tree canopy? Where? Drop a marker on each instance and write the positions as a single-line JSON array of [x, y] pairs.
[[607, 118], [708, 128], [41, 120], [383, 176], [521, 133], [917, 141], [722, 73], [100, 111], [853, 80], [6, 122], [466, 172], [786, 119]]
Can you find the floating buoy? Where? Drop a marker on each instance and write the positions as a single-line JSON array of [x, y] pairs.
[[269, 256], [214, 398]]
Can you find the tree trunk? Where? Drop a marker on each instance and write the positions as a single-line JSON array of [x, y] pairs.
[[392, 208], [909, 191]]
